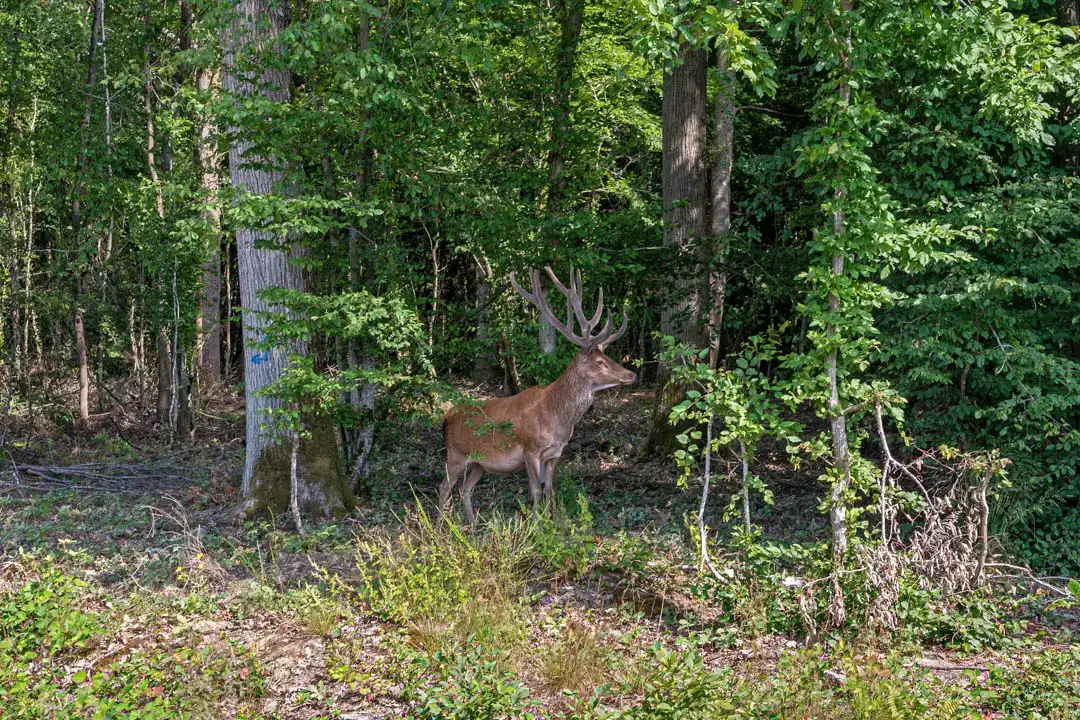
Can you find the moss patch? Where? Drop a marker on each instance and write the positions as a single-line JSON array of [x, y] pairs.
[[324, 490]]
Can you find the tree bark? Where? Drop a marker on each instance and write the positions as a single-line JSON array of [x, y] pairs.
[[837, 419], [321, 486], [84, 368], [684, 191], [720, 206], [79, 320], [208, 323], [164, 373], [684, 197], [570, 14], [570, 18], [483, 361]]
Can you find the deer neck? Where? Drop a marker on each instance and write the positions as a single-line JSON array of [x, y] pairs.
[[569, 397]]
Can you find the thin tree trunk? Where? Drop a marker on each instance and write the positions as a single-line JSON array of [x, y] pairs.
[[720, 207], [14, 135], [294, 484], [570, 14], [745, 458], [227, 368], [209, 320], [837, 419], [267, 467], [79, 320], [164, 371], [482, 362], [84, 368], [166, 405], [84, 125]]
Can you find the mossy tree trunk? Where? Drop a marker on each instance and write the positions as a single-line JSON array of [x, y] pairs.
[[321, 485]]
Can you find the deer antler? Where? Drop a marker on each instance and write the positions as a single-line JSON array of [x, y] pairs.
[[573, 309]]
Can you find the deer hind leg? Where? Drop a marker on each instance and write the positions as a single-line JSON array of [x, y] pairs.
[[472, 476], [455, 467]]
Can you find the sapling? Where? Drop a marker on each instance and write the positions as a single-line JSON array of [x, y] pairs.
[[743, 401]]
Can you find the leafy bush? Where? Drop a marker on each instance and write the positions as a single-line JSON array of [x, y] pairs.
[[564, 541], [1047, 688], [38, 617]]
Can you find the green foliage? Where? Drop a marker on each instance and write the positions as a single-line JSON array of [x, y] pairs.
[[472, 685], [446, 584], [972, 624], [45, 635], [37, 616], [564, 543], [679, 686], [1044, 688], [745, 403]]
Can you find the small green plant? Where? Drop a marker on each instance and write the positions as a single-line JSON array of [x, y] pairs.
[[564, 541], [38, 616], [469, 684], [1047, 688], [445, 583]]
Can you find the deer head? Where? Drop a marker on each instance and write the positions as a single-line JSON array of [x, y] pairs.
[[591, 364]]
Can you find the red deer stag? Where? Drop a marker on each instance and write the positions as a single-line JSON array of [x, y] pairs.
[[529, 430]]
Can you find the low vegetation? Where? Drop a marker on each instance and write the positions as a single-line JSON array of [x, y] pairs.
[[159, 608]]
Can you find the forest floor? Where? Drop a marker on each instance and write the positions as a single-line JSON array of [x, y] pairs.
[[153, 596]]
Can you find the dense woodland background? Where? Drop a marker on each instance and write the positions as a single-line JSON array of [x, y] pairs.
[[887, 188], [846, 235]]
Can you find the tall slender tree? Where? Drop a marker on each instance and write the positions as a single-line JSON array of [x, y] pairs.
[[720, 200], [570, 13], [205, 157], [79, 316], [837, 419]]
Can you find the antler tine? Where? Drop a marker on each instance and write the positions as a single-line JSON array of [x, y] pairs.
[[522, 291], [539, 301], [573, 298], [599, 312], [606, 337]]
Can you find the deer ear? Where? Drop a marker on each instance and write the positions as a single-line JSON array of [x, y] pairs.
[[602, 347]]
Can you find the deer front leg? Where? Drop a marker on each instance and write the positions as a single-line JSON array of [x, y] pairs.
[[549, 480], [535, 469]]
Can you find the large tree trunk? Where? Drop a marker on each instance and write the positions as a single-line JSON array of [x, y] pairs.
[[720, 206], [837, 419], [266, 481], [684, 179]]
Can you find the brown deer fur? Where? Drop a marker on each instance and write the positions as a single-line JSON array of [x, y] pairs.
[[529, 430]]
